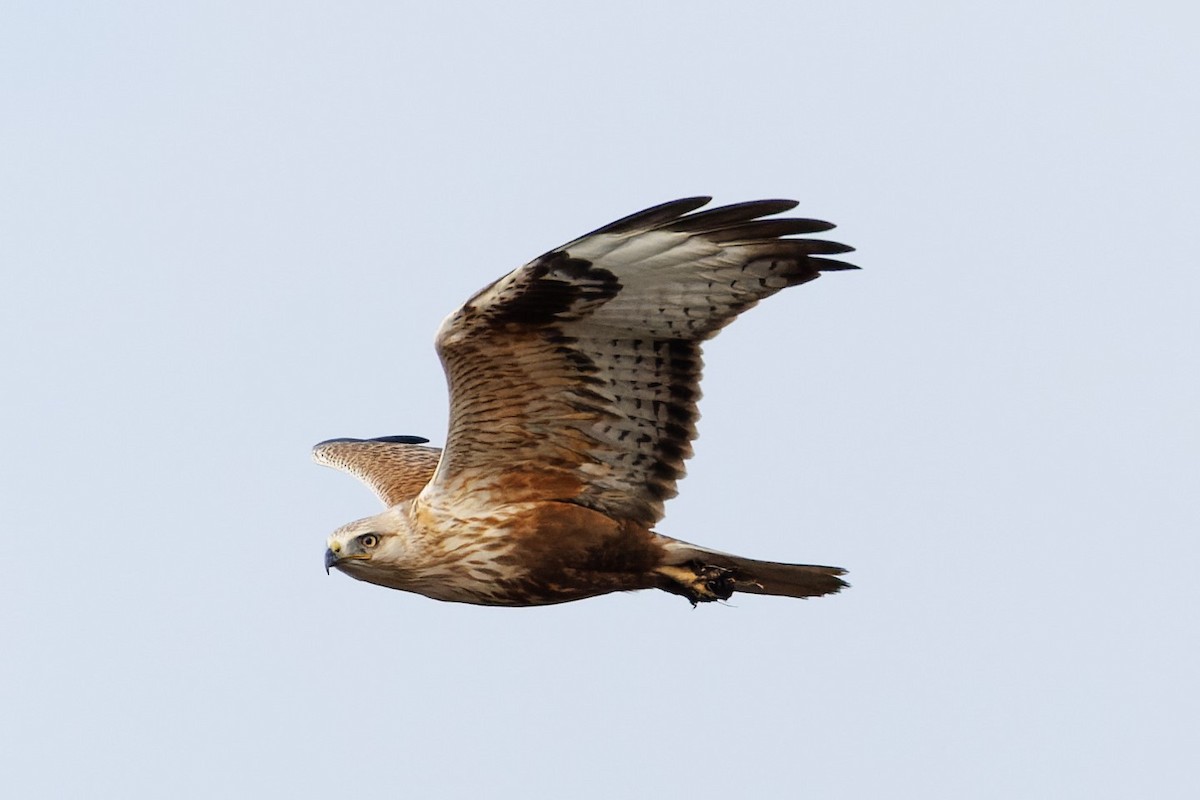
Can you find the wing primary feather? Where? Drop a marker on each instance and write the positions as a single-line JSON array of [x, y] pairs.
[[393, 439], [765, 229], [830, 264], [653, 217], [729, 215]]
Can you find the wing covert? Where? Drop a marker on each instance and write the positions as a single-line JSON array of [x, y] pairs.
[[395, 467]]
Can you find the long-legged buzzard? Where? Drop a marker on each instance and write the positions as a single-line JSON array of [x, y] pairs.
[[573, 389]]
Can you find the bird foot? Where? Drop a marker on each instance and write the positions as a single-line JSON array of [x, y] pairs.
[[699, 583]]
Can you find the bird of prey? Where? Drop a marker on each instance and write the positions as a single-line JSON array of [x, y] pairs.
[[573, 388]]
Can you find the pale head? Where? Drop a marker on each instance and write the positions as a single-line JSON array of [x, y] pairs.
[[374, 549]]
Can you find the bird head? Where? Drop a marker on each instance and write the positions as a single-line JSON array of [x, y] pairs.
[[371, 549]]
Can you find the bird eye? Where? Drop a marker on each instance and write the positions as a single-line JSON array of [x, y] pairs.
[[368, 540]]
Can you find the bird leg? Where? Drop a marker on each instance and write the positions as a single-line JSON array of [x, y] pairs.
[[698, 582]]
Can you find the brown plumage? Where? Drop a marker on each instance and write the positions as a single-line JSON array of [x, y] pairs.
[[573, 389]]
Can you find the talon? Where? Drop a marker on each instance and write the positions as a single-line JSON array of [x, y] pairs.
[[718, 582], [720, 585], [698, 582]]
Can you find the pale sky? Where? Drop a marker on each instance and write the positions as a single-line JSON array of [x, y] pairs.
[[230, 230]]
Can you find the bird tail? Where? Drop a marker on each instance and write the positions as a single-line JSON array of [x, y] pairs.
[[764, 577]]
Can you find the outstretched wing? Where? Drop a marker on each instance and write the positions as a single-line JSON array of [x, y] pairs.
[[395, 467], [576, 377]]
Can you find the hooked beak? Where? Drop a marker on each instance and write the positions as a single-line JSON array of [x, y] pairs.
[[331, 560]]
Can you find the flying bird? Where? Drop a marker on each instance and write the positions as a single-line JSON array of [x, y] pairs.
[[573, 388]]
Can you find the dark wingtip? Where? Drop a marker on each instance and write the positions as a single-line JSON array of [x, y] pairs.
[[392, 439], [831, 265], [652, 217]]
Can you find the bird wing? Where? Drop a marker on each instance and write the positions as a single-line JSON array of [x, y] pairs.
[[575, 377], [395, 467]]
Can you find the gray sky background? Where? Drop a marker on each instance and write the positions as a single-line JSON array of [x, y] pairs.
[[230, 230]]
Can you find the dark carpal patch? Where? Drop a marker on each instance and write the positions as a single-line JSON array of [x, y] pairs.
[[553, 286]]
